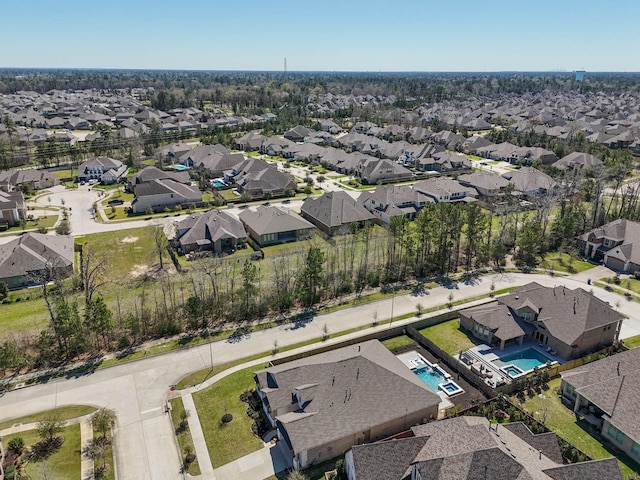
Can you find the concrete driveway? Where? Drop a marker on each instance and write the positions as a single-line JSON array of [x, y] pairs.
[[264, 463]]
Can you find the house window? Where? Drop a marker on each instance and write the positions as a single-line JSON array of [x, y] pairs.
[[635, 449], [526, 316], [615, 434]]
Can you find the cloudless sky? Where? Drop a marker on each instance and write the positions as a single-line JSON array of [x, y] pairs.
[[347, 35]]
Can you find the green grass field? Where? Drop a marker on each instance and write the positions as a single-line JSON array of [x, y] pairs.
[[397, 342], [449, 337], [563, 262], [632, 342], [65, 413], [63, 464], [184, 435], [235, 439], [563, 421]]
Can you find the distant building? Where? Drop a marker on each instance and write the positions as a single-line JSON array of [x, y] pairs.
[[579, 75]]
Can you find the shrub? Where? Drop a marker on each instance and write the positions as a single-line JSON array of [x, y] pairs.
[[226, 418], [16, 445]]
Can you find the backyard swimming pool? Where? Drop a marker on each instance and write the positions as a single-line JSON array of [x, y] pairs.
[[525, 361], [434, 377]]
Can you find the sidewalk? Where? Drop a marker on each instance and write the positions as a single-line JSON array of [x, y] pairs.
[[197, 436]]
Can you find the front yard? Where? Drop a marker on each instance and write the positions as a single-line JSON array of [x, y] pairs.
[[563, 422], [450, 337], [563, 262], [227, 442]]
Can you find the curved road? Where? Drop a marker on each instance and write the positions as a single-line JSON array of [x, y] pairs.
[[137, 391]]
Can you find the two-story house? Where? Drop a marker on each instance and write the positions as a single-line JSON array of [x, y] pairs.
[[617, 244]]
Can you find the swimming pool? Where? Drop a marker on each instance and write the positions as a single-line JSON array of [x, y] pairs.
[[434, 377], [217, 183], [431, 376], [525, 360]]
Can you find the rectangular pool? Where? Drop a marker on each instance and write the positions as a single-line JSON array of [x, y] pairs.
[[525, 360], [434, 377], [431, 377]]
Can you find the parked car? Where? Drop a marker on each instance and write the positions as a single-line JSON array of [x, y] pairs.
[[115, 201]]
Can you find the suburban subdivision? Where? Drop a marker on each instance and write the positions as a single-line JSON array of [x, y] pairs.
[[319, 275]]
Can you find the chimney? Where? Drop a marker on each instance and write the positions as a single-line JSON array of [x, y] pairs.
[[618, 368], [539, 454], [564, 288], [333, 382], [358, 374], [574, 305]]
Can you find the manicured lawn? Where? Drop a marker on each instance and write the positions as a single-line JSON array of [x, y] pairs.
[[397, 342], [65, 413], [229, 196], [61, 174], [632, 342], [235, 439], [449, 337], [98, 463], [38, 222], [563, 262], [184, 435], [563, 422], [64, 463], [30, 315]]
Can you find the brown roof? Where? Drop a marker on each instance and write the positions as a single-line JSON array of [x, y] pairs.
[[272, 219], [335, 209]]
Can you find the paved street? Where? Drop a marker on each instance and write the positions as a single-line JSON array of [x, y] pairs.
[[138, 390]]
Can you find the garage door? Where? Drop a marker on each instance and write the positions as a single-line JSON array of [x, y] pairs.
[[615, 263]]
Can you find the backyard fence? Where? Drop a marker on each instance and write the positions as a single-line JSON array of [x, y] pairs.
[[450, 361]]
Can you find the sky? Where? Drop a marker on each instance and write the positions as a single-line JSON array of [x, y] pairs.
[[347, 35]]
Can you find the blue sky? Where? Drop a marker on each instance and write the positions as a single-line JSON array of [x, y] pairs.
[[353, 35]]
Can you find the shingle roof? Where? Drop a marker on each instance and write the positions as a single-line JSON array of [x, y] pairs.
[[152, 173], [335, 209], [358, 387], [486, 180], [213, 225], [529, 179], [35, 251], [272, 219], [464, 448], [578, 160], [613, 384], [499, 320], [166, 186]]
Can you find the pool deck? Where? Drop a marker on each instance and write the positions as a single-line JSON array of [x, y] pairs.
[[445, 401]]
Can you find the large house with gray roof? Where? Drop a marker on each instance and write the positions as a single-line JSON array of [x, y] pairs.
[[104, 169], [531, 182], [150, 173], [215, 231], [28, 178], [35, 257], [389, 201], [444, 190], [334, 210], [470, 448], [606, 393], [159, 194], [572, 323], [324, 404], [578, 162], [488, 185], [269, 225], [617, 244]]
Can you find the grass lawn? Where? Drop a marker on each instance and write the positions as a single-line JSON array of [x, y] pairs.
[[184, 435], [449, 336], [397, 342], [62, 174], [64, 463], [38, 222], [235, 439], [563, 421], [229, 196], [632, 342], [109, 474], [30, 315], [65, 413], [563, 262]]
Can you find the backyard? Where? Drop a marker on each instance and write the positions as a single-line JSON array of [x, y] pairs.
[[549, 409], [450, 337]]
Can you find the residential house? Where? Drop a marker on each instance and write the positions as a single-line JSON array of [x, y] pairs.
[[617, 244], [174, 151], [215, 230], [531, 182], [572, 323], [34, 258], [443, 189], [324, 404], [261, 179], [329, 126], [104, 169], [150, 173], [473, 143], [29, 178], [159, 194], [469, 448], [448, 139], [445, 162], [606, 394], [488, 185], [249, 142], [199, 155], [298, 133], [335, 211], [269, 225], [275, 146], [389, 201], [375, 170], [578, 161], [13, 208]]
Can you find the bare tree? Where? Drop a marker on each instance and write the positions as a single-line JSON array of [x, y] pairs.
[[160, 242]]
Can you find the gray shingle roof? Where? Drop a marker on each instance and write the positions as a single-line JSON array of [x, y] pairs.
[[358, 387], [464, 448], [335, 209], [213, 225], [613, 384], [33, 252], [272, 219]]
